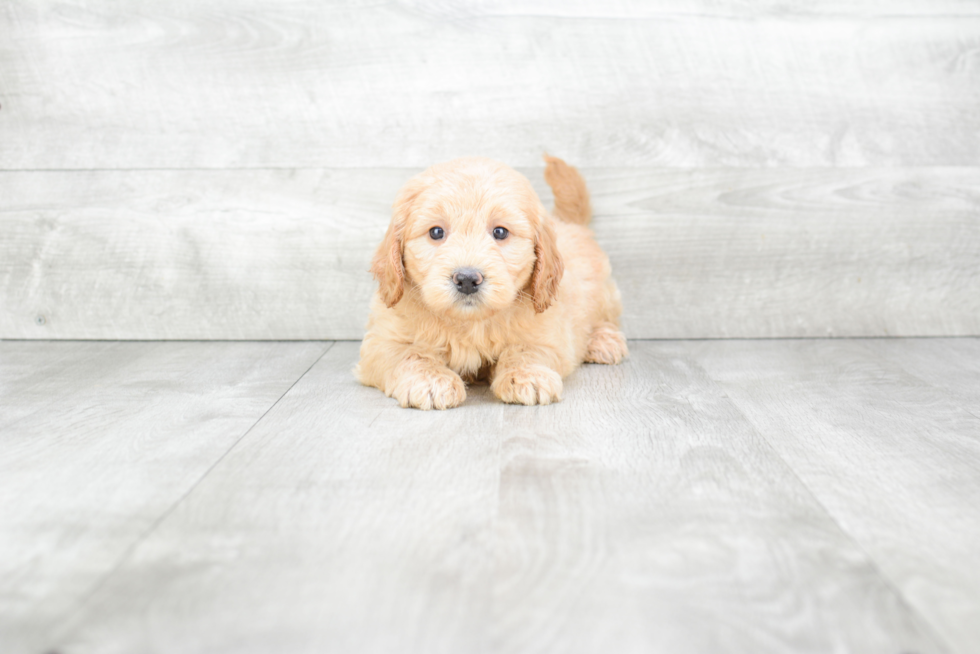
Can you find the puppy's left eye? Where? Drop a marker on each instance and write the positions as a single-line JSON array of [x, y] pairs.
[[500, 233], [436, 233]]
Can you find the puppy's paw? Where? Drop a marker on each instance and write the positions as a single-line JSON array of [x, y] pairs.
[[429, 388], [533, 384], [606, 345]]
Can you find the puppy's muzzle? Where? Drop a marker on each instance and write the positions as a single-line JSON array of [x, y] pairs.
[[467, 280]]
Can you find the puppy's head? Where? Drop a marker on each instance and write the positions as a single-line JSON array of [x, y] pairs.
[[471, 235]]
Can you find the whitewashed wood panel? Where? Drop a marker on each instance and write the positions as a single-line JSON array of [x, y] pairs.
[[643, 513], [894, 459], [97, 442], [151, 84], [798, 253], [283, 254], [191, 254]]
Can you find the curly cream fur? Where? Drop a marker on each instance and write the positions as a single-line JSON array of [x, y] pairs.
[[546, 304]]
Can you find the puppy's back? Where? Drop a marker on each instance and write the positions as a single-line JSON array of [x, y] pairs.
[[571, 196]]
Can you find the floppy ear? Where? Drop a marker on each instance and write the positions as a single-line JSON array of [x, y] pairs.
[[548, 266], [387, 266]]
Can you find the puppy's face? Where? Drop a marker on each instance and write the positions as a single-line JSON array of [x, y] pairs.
[[469, 246], [471, 236]]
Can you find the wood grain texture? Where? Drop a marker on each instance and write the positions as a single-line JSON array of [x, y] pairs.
[[191, 254], [799, 253], [340, 523], [283, 254], [183, 84], [97, 442], [893, 457], [643, 513], [950, 365]]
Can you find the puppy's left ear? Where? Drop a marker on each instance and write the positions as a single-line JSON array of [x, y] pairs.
[[387, 265], [548, 266]]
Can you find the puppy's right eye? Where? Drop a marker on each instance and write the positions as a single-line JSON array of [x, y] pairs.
[[436, 233]]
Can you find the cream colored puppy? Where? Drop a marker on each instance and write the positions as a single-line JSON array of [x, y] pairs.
[[478, 281]]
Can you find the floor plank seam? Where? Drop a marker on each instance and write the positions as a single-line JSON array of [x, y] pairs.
[[57, 630], [887, 580]]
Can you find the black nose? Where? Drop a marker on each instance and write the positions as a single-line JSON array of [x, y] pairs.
[[467, 280]]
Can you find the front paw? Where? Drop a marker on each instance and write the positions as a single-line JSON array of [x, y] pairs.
[[430, 388], [534, 384]]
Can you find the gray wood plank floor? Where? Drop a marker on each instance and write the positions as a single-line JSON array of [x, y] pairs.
[[880, 425], [735, 496], [98, 441]]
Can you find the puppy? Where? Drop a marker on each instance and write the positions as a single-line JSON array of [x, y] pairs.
[[478, 281]]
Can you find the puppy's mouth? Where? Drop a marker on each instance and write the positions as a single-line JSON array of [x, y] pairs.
[[472, 301]]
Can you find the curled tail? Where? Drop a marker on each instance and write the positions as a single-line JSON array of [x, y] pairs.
[[571, 196]]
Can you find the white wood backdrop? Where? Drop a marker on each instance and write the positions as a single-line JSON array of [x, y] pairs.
[[223, 169]]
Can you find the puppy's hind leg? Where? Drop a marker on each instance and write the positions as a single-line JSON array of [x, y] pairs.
[[606, 345]]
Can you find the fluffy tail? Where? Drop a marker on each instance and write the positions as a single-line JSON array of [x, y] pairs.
[[571, 196]]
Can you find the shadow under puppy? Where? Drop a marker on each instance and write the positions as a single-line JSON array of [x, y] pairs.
[[478, 281]]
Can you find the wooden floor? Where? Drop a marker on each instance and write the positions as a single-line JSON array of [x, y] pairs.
[[705, 496]]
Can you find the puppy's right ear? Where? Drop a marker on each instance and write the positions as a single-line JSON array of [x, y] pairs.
[[548, 266], [387, 265]]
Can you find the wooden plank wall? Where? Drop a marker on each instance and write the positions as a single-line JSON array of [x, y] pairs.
[[224, 169]]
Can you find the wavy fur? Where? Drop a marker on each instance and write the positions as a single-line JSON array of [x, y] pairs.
[[547, 302]]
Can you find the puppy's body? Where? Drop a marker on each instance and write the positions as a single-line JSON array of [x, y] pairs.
[[544, 301]]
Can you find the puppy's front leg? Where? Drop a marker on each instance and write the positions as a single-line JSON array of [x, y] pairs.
[[527, 375], [413, 377]]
